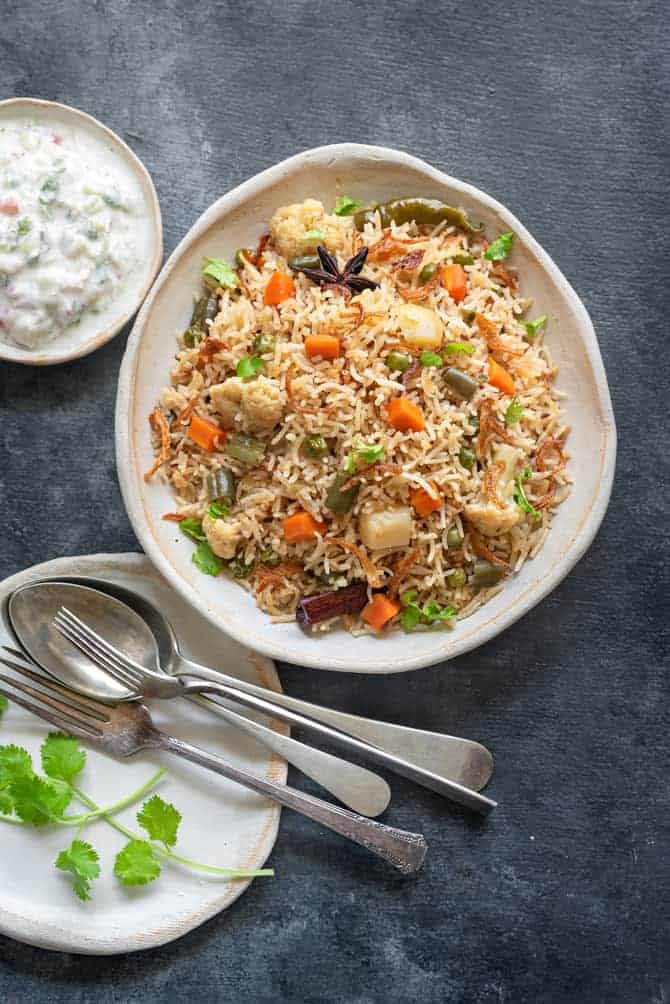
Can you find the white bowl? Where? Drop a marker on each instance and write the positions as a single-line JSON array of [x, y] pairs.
[[236, 220], [95, 329]]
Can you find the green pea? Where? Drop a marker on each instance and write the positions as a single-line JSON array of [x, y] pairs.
[[427, 273], [457, 578], [397, 361], [315, 447], [454, 538], [467, 457], [264, 343]]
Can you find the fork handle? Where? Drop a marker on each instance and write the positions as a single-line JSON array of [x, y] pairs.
[[404, 850]]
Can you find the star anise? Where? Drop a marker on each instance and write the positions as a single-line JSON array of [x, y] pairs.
[[348, 278]]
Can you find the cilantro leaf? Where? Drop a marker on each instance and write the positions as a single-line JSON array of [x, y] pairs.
[[249, 366], [460, 347], [24, 226], [218, 509], [369, 452], [193, 529], [15, 763], [532, 327], [411, 613], [205, 560], [430, 359], [136, 864], [83, 862], [344, 206], [6, 803], [350, 463], [37, 801], [314, 235], [432, 612], [514, 412], [520, 494], [500, 247], [4, 704], [62, 757], [161, 820], [218, 272]]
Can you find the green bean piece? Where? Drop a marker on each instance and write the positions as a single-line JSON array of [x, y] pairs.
[[221, 485], [468, 315], [427, 273], [454, 538], [462, 383], [473, 422], [315, 447], [338, 501], [246, 449], [462, 259], [486, 574], [242, 256], [264, 344], [456, 578], [305, 261], [417, 209], [397, 361], [191, 337], [467, 457]]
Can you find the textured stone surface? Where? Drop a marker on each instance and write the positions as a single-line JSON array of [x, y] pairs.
[[559, 110]]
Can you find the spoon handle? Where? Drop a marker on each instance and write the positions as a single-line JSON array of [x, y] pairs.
[[356, 787], [461, 760], [404, 850], [374, 754]]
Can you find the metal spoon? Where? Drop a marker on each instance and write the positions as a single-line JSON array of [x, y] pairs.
[[433, 759], [31, 609]]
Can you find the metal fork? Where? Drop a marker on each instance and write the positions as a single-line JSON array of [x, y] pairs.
[[151, 684], [125, 729]]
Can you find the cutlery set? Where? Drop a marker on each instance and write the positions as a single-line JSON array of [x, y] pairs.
[[90, 653]]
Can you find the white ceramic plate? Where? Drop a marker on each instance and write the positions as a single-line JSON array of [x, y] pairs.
[[237, 220], [92, 137], [223, 824]]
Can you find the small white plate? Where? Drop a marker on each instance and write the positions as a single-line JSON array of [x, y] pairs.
[[223, 824], [93, 137], [371, 174]]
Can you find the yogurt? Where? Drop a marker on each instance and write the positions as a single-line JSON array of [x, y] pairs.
[[68, 232]]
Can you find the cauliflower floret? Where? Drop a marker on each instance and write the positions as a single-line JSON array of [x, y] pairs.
[[226, 398], [173, 400], [262, 403], [223, 536], [289, 225], [486, 516]]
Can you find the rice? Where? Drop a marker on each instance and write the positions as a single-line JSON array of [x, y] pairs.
[[345, 401]]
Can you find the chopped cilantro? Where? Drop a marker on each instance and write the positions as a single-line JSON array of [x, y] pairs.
[[500, 247], [205, 560], [465, 347], [193, 528], [344, 206], [520, 494], [514, 412], [430, 359], [218, 509], [219, 273]]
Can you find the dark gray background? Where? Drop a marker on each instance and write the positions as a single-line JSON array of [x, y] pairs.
[[560, 111]]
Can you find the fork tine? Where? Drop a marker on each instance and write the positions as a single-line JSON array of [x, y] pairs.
[[79, 637], [114, 653], [15, 652], [62, 722], [51, 708], [75, 702]]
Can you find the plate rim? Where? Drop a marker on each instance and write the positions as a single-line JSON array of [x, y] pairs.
[[589, 522], [25, 357], [49, 936]]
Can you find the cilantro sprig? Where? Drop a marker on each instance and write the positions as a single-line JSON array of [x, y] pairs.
[[367, 453], [37, 800], [514, 412]]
